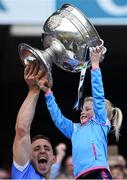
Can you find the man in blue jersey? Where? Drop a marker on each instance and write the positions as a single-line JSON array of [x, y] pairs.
[[31, 159]]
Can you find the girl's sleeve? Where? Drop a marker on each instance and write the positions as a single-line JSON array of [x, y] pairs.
[[65, 125], [99, 104]]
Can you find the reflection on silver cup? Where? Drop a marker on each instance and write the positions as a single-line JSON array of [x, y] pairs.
[[67, 35]]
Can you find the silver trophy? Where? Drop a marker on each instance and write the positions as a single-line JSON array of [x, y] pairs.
[[66, 38]]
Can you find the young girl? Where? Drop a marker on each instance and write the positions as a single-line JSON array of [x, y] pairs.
[[89, 137]]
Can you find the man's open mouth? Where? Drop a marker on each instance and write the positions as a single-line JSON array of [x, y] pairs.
[[42, 163], [42, 160]]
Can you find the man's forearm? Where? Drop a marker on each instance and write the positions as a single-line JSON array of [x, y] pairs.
[[27, 110]]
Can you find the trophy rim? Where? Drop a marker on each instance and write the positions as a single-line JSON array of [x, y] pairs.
[[77, 10]]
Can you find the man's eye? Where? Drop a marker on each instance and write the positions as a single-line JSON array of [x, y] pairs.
[[36, 149], [47, 149]]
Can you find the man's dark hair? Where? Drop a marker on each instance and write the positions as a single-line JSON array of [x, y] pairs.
[[41, 136]]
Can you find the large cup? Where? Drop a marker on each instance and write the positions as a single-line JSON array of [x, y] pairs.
[[66, 38]]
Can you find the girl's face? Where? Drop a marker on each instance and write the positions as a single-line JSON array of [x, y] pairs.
[[87, 112]]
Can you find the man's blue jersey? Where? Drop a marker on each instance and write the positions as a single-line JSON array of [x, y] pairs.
[[25, 172]]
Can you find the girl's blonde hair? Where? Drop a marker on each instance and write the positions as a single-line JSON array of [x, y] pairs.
[[114, 115]]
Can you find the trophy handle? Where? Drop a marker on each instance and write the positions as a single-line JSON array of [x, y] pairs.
[[104, 49]]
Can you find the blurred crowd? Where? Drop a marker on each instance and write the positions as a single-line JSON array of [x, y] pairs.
[[4, 174], [118, 166]]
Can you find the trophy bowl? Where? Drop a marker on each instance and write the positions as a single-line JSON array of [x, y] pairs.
[[75, 32]]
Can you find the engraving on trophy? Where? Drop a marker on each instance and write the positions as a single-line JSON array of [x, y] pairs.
[[54, 22]]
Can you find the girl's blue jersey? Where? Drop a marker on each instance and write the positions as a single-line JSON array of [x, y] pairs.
[[89, 140]]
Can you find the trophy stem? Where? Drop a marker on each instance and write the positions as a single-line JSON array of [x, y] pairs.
[[54, 52], [48, 55]]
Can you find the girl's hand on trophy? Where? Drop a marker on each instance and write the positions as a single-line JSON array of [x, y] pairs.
[[43, 77], [44, 85], [95, 55]]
